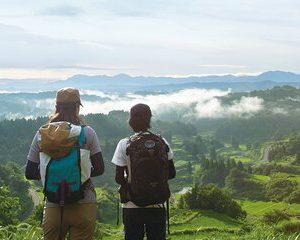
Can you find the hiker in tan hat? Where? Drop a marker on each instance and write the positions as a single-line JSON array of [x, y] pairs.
[[64, 155]]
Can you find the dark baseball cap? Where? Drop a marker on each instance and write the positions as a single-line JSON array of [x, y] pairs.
[[140, 109]]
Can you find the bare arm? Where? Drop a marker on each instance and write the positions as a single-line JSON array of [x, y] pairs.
[[98, 164], [32, 171], [119, 177], [172, 171]]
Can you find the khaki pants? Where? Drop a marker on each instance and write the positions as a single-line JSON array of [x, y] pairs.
[[78, 219]]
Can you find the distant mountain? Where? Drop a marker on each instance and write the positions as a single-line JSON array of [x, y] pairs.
[[278, 76], [233, 86], [123, 82]]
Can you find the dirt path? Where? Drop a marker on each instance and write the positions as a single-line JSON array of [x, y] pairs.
[[266, 154]]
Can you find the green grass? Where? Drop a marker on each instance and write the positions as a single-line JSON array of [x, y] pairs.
[[189, 225], [241, 154], [179, 152], [176, 141], [291, 177], [286, 160], [22, 231], [259, 208], [295, 178], [187, 219], [40, 194], [243, 147], [180, 164], [243, 159], [261, 178], [186, 225], [183, 179]]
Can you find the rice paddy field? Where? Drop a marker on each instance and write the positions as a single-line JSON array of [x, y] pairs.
[[196, 224]]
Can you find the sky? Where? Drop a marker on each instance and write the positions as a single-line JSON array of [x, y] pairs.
[[57, 39]]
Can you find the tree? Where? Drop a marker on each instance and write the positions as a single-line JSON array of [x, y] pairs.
[[213, 153], [12, 178], [231, 163], [297, 160], [168, 136], [195, 150], [294, 196], [240, 184], [36, 215], [9, 207], [240, 166], [235, 181], [279, 188], [189, 168], [201, 145], [181, 203]]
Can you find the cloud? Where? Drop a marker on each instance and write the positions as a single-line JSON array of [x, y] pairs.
[[279, 111], [246, 106], [181, 105], [184, 105], [89, 67], [222, 66], [22, 49], [170, 37], [140, 8], [62, 10], [48, 103]]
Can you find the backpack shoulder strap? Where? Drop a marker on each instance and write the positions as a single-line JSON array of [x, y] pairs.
[[164, 142], [81, 138], [151, 133], [129, 142]]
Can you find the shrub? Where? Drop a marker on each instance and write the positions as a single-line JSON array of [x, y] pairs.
[[9, 207], [279, 188], [295, 196], [106, 205], [271, 168], [36, 215], [275, 216], [289, 227], [241, 185], [212, 198]]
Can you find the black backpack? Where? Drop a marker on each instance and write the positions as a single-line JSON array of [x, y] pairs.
[[149, 169]]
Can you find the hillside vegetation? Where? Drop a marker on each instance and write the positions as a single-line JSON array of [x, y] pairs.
[[237, 178]]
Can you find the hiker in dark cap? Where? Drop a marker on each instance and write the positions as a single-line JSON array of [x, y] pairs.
[[64, 155], [143, 167]]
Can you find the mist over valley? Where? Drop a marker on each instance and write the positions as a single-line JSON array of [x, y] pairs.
[[186, 99]]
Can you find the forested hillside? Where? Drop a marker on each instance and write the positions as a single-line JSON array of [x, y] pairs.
[[237, 177]]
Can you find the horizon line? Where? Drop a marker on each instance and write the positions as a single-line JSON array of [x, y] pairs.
[[178, 76]]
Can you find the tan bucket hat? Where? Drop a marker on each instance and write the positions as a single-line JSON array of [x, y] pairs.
[[68, 95]]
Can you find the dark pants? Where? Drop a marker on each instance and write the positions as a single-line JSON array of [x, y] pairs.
[[138, 220]]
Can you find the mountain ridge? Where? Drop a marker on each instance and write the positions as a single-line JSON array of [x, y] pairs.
[[124, 82]]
